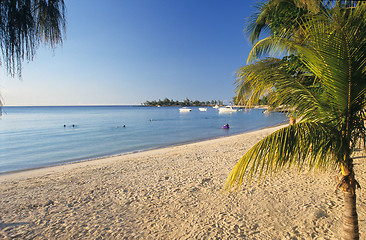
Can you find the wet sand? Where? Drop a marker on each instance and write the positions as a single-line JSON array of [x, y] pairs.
[[173, 193]]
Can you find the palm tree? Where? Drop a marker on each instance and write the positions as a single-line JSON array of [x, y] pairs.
[[331, 120]]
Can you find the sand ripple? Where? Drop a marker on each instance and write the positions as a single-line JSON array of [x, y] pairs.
[[172, 193]]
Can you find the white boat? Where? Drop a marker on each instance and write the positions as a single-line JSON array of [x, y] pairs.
[[203, 109], [216, 106], [184, 109], [227, 109]]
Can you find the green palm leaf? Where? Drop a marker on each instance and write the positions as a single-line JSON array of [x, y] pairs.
[[256, 80], [333, 48], [307, 144]]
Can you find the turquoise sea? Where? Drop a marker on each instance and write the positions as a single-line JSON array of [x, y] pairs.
[[33, 137]]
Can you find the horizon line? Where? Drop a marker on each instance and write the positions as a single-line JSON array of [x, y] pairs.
[[70, 105]]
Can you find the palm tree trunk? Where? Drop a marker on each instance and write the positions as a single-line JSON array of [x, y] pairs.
[[350, 219]]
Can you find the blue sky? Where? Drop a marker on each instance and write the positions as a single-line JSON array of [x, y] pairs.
[[127, 52]]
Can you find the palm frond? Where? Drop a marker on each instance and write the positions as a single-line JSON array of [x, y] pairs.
[[254, 81], [272, 45], [51, 21], [278, 17], [336, 53], [24, 25], [257, 23], [306, 144], [333, 50], [270, 75]]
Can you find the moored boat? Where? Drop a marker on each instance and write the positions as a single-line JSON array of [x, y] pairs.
[[227, 109], [203, 109], [184, 109]]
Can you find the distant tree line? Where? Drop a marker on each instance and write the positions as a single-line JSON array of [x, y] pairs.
[[186, 102], [262, 101]]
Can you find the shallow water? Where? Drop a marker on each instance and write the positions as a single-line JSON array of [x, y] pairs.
[[32, 137]]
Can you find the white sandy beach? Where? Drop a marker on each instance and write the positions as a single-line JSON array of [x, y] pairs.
[[173, 193]]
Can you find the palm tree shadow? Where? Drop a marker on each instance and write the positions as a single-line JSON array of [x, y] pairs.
[[360, 153], [358, 157], [16, 224]]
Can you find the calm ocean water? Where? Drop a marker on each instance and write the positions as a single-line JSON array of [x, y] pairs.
[[32, 137]]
